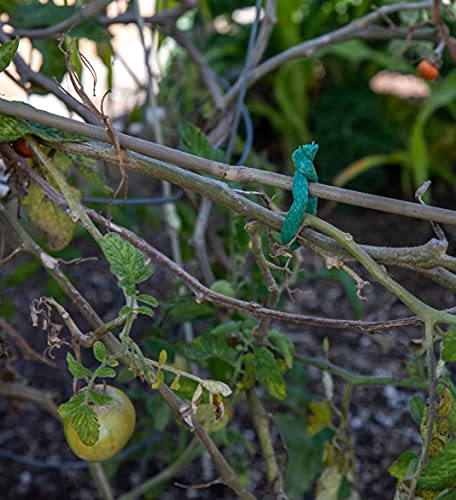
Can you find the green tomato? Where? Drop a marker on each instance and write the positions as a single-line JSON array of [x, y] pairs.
[[117, 423]]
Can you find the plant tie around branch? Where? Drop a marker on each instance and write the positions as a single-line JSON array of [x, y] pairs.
[[305, 171]]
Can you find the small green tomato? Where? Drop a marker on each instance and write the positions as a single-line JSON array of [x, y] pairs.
[[117, 423]]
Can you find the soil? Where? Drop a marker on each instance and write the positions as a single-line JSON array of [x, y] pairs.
[[380, 422]]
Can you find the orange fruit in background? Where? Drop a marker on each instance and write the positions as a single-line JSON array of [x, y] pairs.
[[21, 147], [427, 70]]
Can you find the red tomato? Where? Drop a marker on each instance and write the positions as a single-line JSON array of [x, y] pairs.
[[427, 70], [21, 147]]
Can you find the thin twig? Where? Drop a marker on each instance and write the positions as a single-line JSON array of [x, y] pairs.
[[23, 345]]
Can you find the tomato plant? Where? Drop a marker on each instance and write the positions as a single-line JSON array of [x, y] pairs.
[[116, 421]]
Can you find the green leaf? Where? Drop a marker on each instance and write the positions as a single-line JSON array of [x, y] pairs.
[[83, 419], [7, 52], [210, 346], [99, 399], [99, 351], [449, 344], [112, 362], [105, 372], [404, 466], [193, 141], [189, 310], [127, 262], [440, 473], [305, 454], [148, 299], [145, 310], [76, 369], [224, 287], [268, 374], [12, 128], [85, 423], [125, 310], [284, 345], [417, 405], [71, 408]]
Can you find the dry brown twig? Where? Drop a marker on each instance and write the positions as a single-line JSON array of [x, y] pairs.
[[100, 115]]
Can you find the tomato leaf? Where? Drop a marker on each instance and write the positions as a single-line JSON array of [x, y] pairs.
[[224, 287], [145, 310], [86, 425], [320, 416], [440, 473], [158, 380], [268, 374], [12, 128], [127, 262], [284, 345], [83, 419], [105, 372], [71, 408], [7, 52], [99, 399], [99, 351], [76, 369], [216, 387], [417, 408], [49, 218], [192, 140], [163, 357], [449, 344], [404, 466], [148, 299]]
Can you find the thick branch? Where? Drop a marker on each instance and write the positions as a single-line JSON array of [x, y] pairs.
[[226, 172]]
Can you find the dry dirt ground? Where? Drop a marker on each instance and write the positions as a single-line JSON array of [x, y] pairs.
[[380, 423]]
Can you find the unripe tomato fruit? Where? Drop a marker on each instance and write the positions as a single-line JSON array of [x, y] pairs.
[[117, 423], [22, 148], [427, 70]]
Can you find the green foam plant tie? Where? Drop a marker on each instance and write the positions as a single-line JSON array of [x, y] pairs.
[[303, 203]]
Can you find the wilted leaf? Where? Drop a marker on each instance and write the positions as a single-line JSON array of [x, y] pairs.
[[320, 416], [49, 218], [216, 387], [160, 377], [329, 483]]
